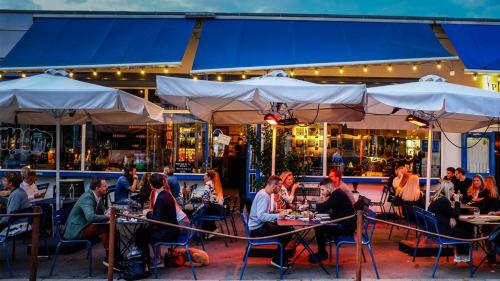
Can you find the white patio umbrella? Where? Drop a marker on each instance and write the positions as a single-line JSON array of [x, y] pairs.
[[446, 106], [52, 98], [248, 101]]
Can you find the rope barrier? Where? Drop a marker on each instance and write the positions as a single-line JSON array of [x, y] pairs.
[[233, 236], [428, 232], [20, 214]]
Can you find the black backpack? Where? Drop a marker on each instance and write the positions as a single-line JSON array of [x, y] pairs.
[[134, 267]]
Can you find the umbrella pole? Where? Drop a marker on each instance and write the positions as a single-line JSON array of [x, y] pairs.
[[273, 154], [428, 174], [58, 160]]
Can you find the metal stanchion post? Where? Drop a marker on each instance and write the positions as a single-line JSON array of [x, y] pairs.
[[111, 251], [35, 228], [359, 231]]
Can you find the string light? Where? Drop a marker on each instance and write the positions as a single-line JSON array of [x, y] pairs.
[[243, 76], [389, 67], [414, 67], [165, 70], [316, 72], [219, 78], [71, 74], [439, 65], [474, 77], [118, 72], [341, 70], [365, 69], [23, 75], [94, 73], [143, 72]]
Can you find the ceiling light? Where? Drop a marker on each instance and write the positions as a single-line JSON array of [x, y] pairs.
[[414, 67], [316, 71], [365, 69], [165, 70], [195, 77], [143, 71], [219, 78], [341, 70], [94, 73], [439, 65], [389, 67], [243, 76], [474, 77], [118, 72], [23, 75], [452, 72]]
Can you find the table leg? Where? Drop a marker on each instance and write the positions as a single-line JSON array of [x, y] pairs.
[[300, 238]]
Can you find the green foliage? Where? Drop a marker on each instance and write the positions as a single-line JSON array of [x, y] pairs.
[[285, 160]]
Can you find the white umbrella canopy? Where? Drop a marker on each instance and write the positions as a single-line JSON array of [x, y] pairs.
[[455, 108], [247, 101], [448, 107], [51, 98]]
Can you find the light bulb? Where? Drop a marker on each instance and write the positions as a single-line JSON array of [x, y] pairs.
[[414, 67], [219, 78], [365, 69], [474, 77], [439, 65], [452, 72], [23, 75], [1, 76], [118, 72], [195, 77], [316, 71], [291, 73], [94, 73], [341, 70], [389, 67], [243, 76], [165, 70], [143, 72], [71, 74]]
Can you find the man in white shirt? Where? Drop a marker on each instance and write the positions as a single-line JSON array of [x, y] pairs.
[[29, 186]]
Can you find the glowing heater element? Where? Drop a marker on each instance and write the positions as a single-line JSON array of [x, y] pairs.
[[417, 121], [271, 119]]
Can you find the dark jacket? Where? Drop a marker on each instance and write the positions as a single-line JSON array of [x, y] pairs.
[[164, 210], [488, 203], [443, 211], [338, 206], [85, 212]]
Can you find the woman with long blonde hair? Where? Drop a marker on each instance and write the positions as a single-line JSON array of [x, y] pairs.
[[476, 187], [287, 190], [411, 191], [488, 197]]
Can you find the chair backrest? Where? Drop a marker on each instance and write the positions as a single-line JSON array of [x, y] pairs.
[[432, 226], [59, 218], [195, 221], [244, 219], [419, 218], [235, 204], [227, 205], [385, 194], [368, 225], [107, 198]]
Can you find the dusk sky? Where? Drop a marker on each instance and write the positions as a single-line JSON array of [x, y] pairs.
[[437, 8]]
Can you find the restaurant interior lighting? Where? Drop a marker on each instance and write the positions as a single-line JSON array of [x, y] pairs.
[[271, 119], [417, 121]]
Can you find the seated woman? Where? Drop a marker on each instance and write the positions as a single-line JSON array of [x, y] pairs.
[[163, 210], [476, 188], [144, 189], [286, 194], [126, 184], [411, 195], [487, 199], [212, 197], [446, 206]]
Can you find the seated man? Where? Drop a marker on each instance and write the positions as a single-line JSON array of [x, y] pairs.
[[336, 177], [18, 199], [29, 186], [263, 223], [88, 210], [338, 205], [163, 204]]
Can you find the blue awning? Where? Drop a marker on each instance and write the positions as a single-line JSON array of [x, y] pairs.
[[240, 44], [477, 45], [100, 42]]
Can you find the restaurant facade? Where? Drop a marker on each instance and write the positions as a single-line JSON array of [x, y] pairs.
[[128, 50]]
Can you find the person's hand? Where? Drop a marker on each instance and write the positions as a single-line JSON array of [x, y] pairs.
[[453, 222], [441, 180], [282, 214], [38, 195], [136, 177]]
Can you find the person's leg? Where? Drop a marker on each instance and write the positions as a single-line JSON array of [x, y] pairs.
[[269, 229], [321, 233], [100, 231]]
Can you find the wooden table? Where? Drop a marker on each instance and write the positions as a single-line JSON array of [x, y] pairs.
[[481, 220]]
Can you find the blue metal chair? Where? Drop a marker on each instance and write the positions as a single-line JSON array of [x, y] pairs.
[[182, 241], [10, 234], [420, 224], [60, 218], [229, 211], [431, 221], [255, 243], [368, 228], [220, 217]]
